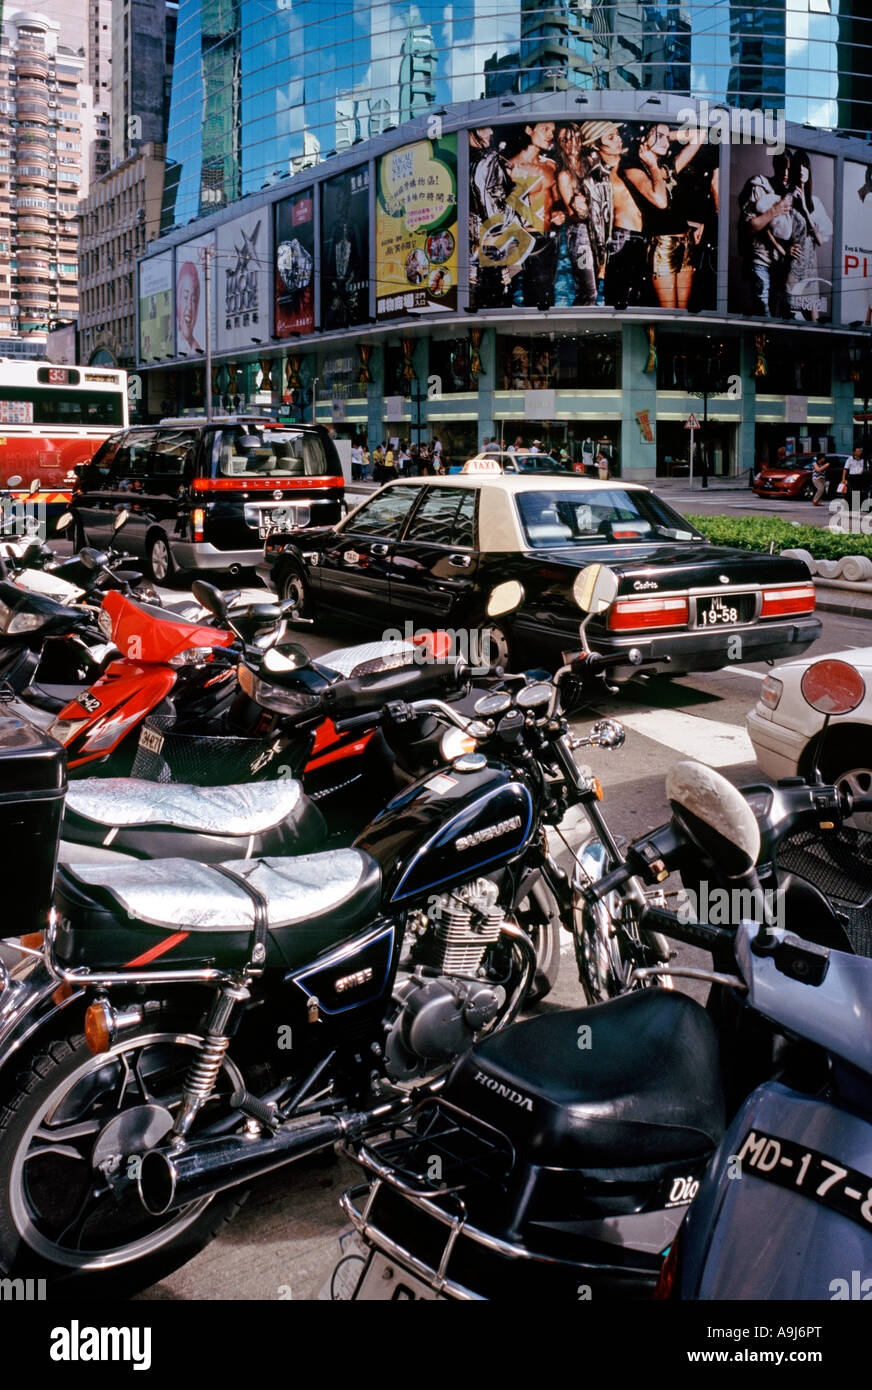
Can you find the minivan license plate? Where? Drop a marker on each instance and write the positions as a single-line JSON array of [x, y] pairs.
[[281, 519]]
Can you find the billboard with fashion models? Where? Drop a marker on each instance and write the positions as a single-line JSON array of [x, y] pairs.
[[345, 249], [592, 212], [295, 265], [856, 265]]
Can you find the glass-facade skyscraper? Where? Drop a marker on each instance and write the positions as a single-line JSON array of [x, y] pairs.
[[580, 221]]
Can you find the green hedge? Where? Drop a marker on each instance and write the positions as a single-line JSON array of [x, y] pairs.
[[758, 532]]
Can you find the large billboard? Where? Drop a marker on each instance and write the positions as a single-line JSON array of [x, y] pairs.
[[592, 212], [345, 249], [294, 292], [780, 219], [856, 264], [242, 280], [416, 229], [191, 295], [156, 307]]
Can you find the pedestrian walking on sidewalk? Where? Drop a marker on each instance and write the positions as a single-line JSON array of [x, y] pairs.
[[819, 478]]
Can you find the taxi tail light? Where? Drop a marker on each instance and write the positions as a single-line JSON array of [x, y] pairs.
[[628, 614], [770, 692], [198, 518], [781, 602]]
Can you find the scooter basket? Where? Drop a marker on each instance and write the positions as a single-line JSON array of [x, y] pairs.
[[202, 760], [839, 865]]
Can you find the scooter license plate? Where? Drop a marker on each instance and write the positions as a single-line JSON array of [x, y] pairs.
[[383, 1281], [806, 1170], [150, 740]]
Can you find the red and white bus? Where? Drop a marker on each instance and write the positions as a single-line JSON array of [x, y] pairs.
[[52, 418]]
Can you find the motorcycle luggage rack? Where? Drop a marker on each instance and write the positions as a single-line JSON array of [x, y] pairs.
[[440, 1140], [839, 865]]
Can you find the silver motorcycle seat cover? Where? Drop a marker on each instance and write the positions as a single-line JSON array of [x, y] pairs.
[[185, 895], [236, 810]]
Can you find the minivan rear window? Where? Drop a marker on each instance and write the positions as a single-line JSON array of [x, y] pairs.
[[270, 454]]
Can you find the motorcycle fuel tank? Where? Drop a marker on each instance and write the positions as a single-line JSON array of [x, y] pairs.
[[448, 827]]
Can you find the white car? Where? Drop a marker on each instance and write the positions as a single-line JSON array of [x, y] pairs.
[[782, 726]]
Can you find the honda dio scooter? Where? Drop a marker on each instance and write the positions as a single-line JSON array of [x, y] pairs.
[[181, 1027], [560, 1157]]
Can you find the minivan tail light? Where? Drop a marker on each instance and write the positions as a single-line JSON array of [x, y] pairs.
[[198, 518], [628, 614], [779, 602]]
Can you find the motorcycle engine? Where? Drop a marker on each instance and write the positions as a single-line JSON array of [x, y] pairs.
[[438, 1018]]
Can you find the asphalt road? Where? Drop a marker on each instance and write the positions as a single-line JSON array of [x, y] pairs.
[[284, 1243]]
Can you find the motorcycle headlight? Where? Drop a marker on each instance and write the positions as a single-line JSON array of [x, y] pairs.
[[104, 623], [455, 743], [193, 656], [277, 698], [5, 614], [65, 730], [26, 622]]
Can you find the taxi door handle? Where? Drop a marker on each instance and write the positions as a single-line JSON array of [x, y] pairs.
[[378, 550], [461, 562]]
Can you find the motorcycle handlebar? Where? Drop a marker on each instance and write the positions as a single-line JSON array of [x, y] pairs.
[[700, 934], [360, 696]]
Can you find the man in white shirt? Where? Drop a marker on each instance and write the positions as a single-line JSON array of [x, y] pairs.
[[855, 476], [513, 448]]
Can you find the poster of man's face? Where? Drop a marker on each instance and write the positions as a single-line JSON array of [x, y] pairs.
[[593, 212], [345, 249], [781, 233], [856, 266]]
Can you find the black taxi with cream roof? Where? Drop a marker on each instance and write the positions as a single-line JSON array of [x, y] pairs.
[[428, 552]]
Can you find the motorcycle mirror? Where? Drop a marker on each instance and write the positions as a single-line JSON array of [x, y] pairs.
[[595, 589], [34, 486], [290, 658], [715, 816], [122, 516], [832, 687], [91, 559], [505, 598], [210, 598], [64, 521], [14, 481]]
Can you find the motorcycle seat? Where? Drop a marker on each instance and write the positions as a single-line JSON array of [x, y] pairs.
[[642, 1087], [170, 912], [150, 820], [51, 698]]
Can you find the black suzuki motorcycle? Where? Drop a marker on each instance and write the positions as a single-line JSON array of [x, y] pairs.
[[180, 1027]]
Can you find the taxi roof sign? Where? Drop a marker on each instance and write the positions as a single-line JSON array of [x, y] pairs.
[[482, 464]]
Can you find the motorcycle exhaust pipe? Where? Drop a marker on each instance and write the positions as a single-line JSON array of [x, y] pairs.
[[170, 1178]]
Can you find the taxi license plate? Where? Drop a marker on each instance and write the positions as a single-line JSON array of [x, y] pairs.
[[150, 740], [724, 610], [385, 1281]]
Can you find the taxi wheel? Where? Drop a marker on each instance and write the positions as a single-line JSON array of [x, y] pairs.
[[159, 557], [294, 588]]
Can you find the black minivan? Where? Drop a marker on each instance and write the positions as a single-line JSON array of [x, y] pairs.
[[204, 494]]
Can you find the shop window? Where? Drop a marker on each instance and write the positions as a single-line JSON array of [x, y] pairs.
[[796, 365], [695, 365], [560, 362], [396, 384], [449, 361]]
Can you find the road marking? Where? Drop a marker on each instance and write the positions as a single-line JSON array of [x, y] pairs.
[[709, 740], [752, 675]]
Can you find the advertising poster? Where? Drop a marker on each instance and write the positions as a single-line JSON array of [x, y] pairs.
[[780, 219], [294, 285], [856, 265], [345, 249], [156, 307], [593, 212], [191, 296], [242, 281], [416, 229]]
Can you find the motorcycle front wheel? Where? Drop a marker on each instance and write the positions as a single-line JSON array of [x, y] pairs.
[[70, 1135], [607, 945]]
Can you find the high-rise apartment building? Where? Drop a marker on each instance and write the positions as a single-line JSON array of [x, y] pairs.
[[41, 134]]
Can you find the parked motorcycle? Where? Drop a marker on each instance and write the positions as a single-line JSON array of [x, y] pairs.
[[184, 1026], [560, 1157]]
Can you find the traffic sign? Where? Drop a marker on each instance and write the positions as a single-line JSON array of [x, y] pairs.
[[691, 423]]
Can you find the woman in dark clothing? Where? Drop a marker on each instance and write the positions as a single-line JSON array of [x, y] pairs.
[[671, 234]]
